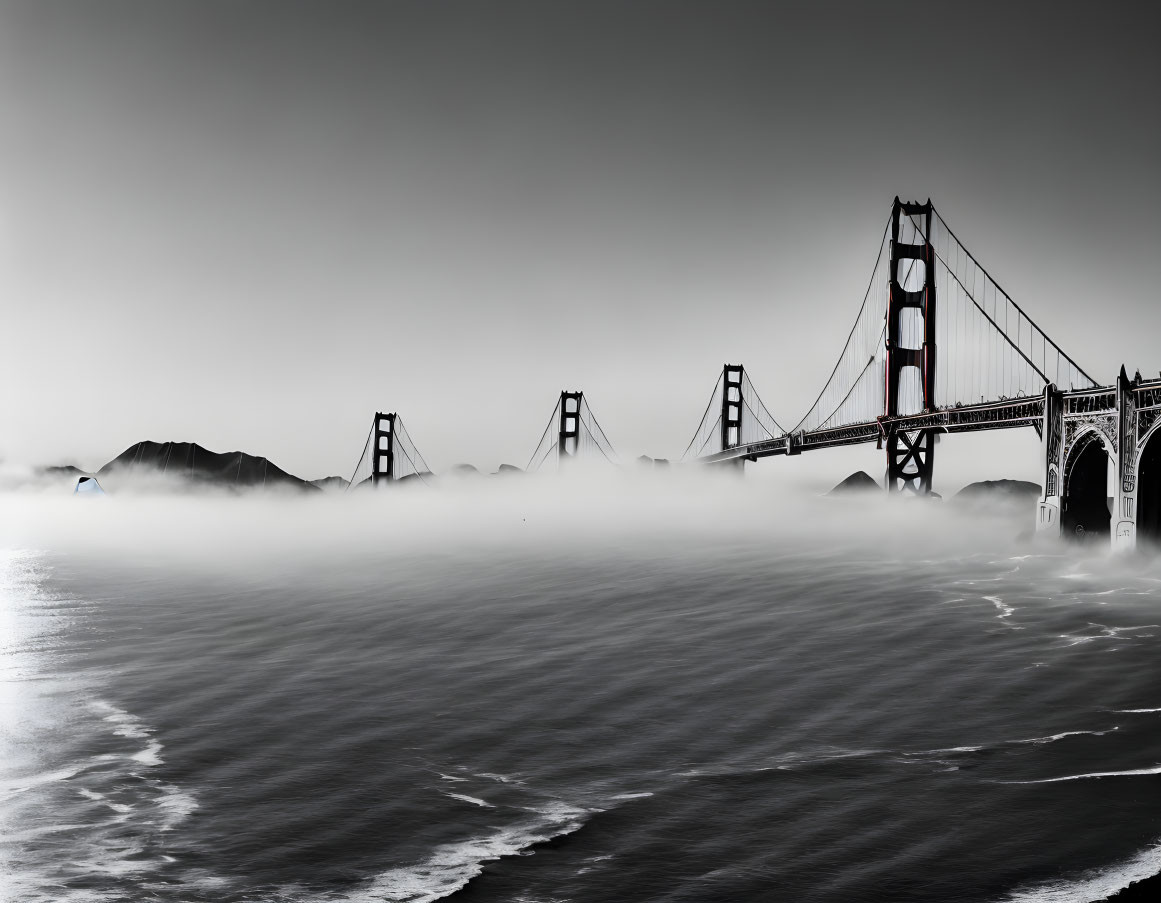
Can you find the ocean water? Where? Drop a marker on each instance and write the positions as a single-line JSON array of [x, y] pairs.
[[641, 695]]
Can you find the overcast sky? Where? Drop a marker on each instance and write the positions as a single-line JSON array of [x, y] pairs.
[[252, 224]]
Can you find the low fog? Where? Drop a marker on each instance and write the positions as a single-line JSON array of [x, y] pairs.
[[679, 511], [592, 506]]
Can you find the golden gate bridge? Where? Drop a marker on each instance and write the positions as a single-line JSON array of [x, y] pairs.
[[937, 347]]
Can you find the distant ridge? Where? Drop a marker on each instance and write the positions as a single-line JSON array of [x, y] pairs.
[[63, 470], [1014, 490], [331, 484], [857, 483], [196, 465]]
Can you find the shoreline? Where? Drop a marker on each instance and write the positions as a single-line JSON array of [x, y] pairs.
[[1147, 889]]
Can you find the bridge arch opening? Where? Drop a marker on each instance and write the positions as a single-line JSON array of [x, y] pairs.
[[1149, 491], [1085, 502]]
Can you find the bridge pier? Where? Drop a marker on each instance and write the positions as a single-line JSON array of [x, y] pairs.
[[1124, 513], [1051, 462], [1080, 440], [1088, 436], [911, 460]]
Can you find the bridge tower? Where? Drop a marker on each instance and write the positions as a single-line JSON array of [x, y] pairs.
[[731, 405], [383, 449], [910, 343], [732, 377], [568, 435]]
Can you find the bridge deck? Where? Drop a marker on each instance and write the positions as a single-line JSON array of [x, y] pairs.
[[993, 415]]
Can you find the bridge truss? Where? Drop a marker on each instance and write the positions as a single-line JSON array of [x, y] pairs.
[[937, 347]]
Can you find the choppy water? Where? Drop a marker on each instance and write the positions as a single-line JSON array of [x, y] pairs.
[[780, 713]]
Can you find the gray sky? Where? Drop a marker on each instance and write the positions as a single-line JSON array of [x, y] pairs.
[[252, 224]]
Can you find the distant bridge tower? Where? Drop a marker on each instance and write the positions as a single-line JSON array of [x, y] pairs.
[[568, 436], [732, 405], [735, 421], [383, 449], [389, 456], [572, 434], [910, 370]]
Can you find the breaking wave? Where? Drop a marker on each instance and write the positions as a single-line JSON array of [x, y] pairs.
[[451, 867], [1093, 886], [85, 776], [1131, 772]]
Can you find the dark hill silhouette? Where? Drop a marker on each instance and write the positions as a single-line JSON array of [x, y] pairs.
[[1146, 889], [193, 464], [411, 479], [1003, 490], [63, 470], [331, 484], [857, 483]]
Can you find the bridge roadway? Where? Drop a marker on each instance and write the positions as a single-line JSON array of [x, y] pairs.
[[992, 415]]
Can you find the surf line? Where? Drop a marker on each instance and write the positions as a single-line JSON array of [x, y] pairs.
[[1096, 774]]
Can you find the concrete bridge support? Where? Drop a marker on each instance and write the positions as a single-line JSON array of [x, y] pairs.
[[1124, 513], [1138, 504], [1051, 439], [1095, 437], [1079, 443]]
